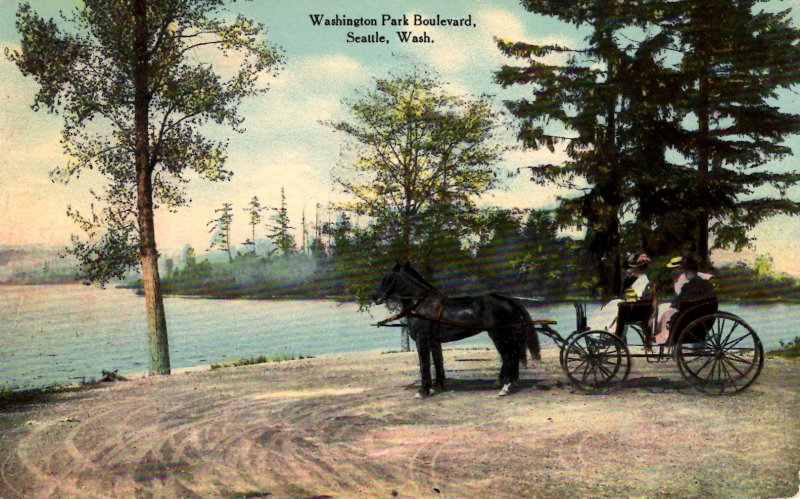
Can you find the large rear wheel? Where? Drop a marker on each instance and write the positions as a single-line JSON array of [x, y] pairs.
[[596, 361], [719, 354]]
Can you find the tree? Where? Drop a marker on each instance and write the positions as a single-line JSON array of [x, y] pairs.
[[280, 234], [418, 153], [127, 79], [189, 257], [419, 157], [221, 229], [582, 95], [254, 210], [498, 259], [609, 95], [169, 266], [304, 233], [690, 86], [736, 59]]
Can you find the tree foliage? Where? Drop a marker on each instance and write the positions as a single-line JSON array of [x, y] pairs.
[[737, 58], [667, 118], [254, 211], [135, 83], [417, 156], [85, 74]]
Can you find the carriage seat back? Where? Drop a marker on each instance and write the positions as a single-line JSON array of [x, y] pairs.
[[690, 311], [635, 311], [581, 323]]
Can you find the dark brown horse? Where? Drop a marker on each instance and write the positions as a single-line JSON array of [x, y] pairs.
[[433, 319]]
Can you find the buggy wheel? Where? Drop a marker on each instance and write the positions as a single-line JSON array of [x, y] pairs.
[[596, 361], [564, 345], [719, 354]]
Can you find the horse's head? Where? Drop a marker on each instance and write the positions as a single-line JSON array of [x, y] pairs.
[[402, 282]]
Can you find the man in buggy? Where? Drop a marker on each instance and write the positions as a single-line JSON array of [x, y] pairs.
[[690, 285]]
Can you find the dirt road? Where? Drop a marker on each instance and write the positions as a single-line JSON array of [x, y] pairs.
[[349, 426]]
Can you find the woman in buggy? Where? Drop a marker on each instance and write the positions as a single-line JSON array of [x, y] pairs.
[[635, 286]]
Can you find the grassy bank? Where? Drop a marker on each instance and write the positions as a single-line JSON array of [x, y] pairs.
[[788, 350], [278, 357]]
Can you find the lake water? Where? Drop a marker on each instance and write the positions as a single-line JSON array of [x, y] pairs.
[[60, 334]]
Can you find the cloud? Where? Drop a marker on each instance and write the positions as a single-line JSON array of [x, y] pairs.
[[459, 51], [324, 71]]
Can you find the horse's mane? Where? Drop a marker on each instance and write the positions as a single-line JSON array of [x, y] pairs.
[[418, 277]]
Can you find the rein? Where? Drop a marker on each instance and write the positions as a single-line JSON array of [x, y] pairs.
[[429, 290], [409, 310]]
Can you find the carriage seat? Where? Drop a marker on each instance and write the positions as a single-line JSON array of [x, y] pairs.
[[690, 311], [634, 312]]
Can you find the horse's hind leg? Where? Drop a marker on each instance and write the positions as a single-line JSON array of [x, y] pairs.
[[438, 364], [509, 353]]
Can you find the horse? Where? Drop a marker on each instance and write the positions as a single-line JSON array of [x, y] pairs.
[[434, 318]]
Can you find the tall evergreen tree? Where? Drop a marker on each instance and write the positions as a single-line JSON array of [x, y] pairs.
[[304, 233], [221, 229], [279, 229], [254, 210], [737, 58], [584, 94]]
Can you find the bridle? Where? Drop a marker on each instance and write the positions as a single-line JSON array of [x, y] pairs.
[[409, 302]]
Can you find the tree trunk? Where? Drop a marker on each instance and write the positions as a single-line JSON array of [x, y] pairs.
[[148, 254], [702, 163], [615, 184]]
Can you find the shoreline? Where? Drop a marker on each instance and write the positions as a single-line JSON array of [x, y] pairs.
[[534, 300], [546, 349]]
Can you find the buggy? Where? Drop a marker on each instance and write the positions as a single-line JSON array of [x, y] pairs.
[[716, 352]]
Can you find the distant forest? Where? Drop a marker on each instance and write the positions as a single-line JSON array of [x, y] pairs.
[[516, 253]]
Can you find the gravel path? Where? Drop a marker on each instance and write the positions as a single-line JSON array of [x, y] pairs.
[[349, 426]]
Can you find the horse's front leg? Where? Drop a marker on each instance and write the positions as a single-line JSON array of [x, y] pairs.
[[424, 354], [438, 364]]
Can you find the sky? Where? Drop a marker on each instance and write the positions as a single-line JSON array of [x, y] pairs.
[[285, 145]]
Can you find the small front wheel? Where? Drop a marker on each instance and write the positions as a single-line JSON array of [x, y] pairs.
[[566, 343], [596, 361]]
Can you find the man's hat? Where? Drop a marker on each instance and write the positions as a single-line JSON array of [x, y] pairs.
[[675, 262], [688, 262]]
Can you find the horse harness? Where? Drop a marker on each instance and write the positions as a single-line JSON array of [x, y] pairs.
[[410, 311]]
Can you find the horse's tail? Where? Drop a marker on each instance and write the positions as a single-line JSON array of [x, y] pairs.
[[532, 342], [527, 336]]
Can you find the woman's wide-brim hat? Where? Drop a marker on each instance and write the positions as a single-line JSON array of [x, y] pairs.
[[637, 260]]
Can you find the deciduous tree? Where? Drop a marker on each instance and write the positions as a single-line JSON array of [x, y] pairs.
[[133, 83], [418, 152]]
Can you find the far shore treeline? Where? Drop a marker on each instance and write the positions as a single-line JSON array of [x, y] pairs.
[[328, 267]]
